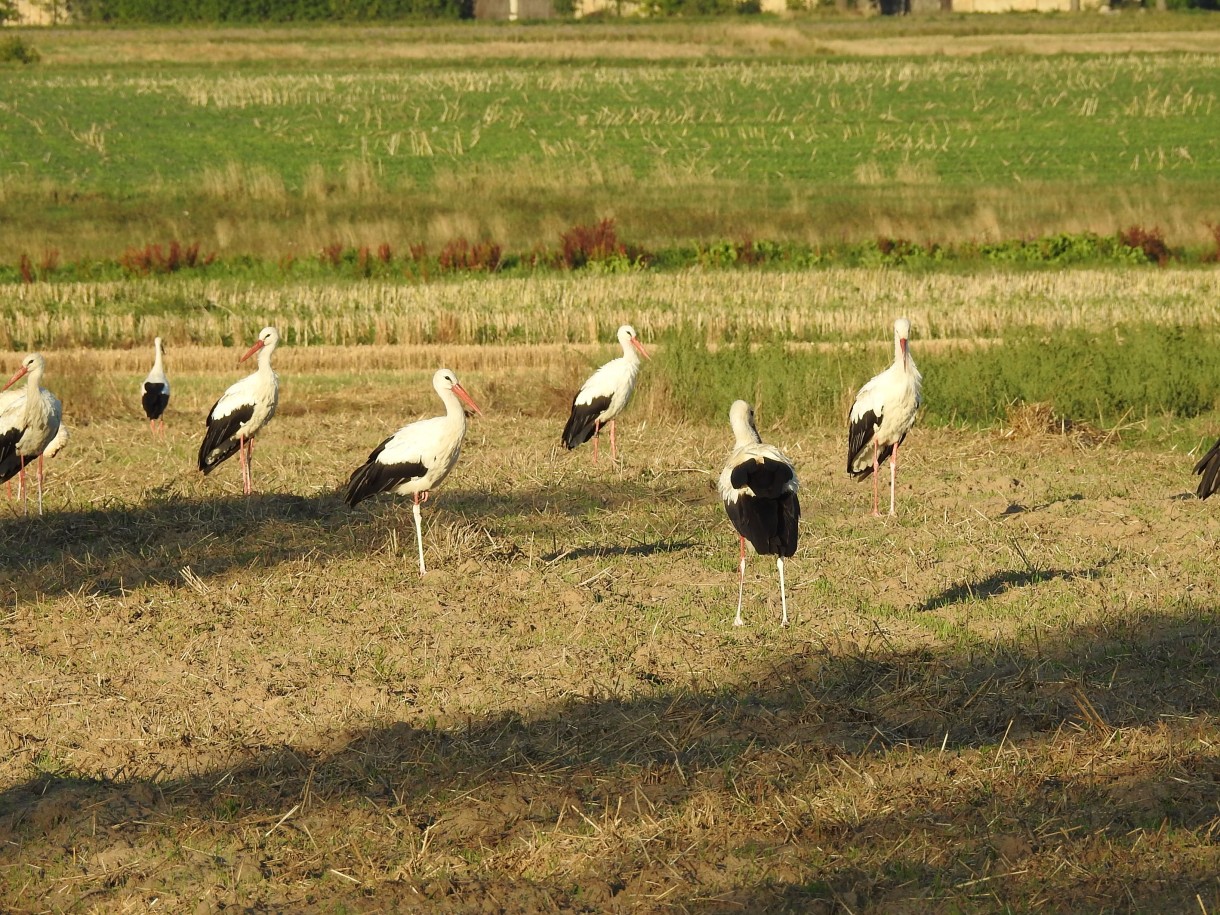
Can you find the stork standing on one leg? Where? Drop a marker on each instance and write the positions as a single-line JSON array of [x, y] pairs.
[[416, 458], [605, 395], [29, 421], [883, 414], [242, 411], [758, 486], [155, 395]]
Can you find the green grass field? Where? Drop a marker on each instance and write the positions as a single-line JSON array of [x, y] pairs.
[[278, 150]]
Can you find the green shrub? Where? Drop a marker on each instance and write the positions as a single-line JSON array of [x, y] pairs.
[[17, 50]]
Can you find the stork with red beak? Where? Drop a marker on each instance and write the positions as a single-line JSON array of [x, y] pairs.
[[415, 459], [29, 421], [605, 395], [242, 411], [883, 414]]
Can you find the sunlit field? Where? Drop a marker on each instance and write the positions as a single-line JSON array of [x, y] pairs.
[[1004, 698], [678, 133]]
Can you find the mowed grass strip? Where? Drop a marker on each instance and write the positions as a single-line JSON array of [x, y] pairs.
[[259, 702], [830, 305]]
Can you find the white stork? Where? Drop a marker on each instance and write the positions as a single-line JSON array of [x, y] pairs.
[[883, 414], [1209, 470], [29, 421], [605, 395], [242, 411], [416, 458], [155, 396], [758, 486]]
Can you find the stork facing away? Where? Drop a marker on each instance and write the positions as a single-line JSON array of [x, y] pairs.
[[29, 421], [415, 459], [155, 396], [605, 395], [883, 414], [242, 411], [758, 486]]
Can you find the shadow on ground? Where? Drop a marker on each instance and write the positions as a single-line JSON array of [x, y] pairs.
[[877, 781], [121, 547]]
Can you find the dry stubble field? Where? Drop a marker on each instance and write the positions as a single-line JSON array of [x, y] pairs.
[[1004, 698]]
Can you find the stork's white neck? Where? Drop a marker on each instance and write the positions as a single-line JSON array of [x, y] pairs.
[[264, 358], [743, 427]]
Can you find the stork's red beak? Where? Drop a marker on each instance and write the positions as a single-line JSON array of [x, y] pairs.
[[258, 344], [906, 355], [466, 398], [17, 377], [635, 341]]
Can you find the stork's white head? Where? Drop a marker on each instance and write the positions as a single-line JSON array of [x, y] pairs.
[[902, 337], [741, 418], [268, 339], [157, 345], [31, 365], [628, 338], [444, 381]]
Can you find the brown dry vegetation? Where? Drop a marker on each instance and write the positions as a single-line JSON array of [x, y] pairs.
[[833, 304], [1005, 698]]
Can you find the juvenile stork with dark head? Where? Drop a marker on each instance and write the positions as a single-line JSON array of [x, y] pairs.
[[758, 485]]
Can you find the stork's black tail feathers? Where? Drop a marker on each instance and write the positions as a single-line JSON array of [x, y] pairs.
[[1209, 468], [582, 424], [220, 442], [375, 475], [768, 518]]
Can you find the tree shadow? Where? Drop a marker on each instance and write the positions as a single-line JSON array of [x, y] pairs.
[[114, 548], [777, 738]]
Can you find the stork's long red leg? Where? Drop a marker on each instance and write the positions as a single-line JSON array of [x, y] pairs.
[[249, 466], [893, 475], [241, 459], [597, 433], [876, 495], [21, 491]]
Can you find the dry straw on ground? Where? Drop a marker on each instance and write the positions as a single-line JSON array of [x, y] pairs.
[[1005, 697], [832, 304]]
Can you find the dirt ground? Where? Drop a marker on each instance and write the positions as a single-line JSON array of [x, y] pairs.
[[1004, 698]]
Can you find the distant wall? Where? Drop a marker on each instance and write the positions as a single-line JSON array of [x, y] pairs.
[[502, 9], [41, 12], [1022, 6]]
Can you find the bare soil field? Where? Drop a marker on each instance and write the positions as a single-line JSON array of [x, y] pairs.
[[1004, 698]]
